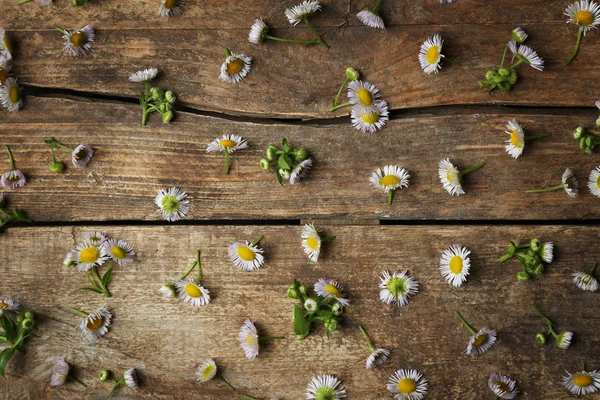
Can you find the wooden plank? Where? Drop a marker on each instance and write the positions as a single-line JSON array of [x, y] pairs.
[[292, 82], [132, 163], [166, 339]]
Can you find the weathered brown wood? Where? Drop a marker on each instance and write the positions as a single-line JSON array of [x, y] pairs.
[[132, 163], [166, 339]]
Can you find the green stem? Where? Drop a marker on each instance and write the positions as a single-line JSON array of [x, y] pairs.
[[550, 189], [53, 155], [227, 161], [87, 274], [579, 36], [583, 366], [227, 52], [245, 396], [307, 42], [339, 93], [593, 268], [219, 377], [543, 317], [503, 56], [61, 30], [319, 40], [257, 241], [504, 258], [102, 285], [327, 239], [189, 270], [117, 384], [369, 343], [346, 104], [72, 378], [145, 114], [375, 9], [451, 61], [521, 61], [543, 135], [11, 160], [23, 1], [474, 168], [390, 196], [79, 312], [466, 324], [266, 338], [199, 278]]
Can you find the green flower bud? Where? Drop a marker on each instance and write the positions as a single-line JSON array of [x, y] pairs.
[[598, 122], [490, 75], [522, 276], [272, 152], [20, 319], [156, 93], [579, 132], [540, 338], [582, 144], [337, 309], [352, 74], [504, 86], [535, 244], [300, 155], [303, 290], [331, 324], [265, 164], [589, 142], [504, 72], [28, 315], [285, 174], [105, 375], [27, 323], [292, 293], [513, 78], [164, 107], [167, 117], [57, 167], [170, 97]]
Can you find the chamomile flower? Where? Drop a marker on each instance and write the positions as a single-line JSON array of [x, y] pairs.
[[172, 204], [235, 68], [258, 32], [60, 373], [247, 256], [130, 378], [325, 387], [311, 242], [582, 382], [95, 325], [586, 281], [206, 371], [450, 178], [170, 8], [168, 290], [516, 144], [370, 19], [248, 337], [144, 75], [305, 9], [455, 264], [391, 178], [79, 42], [585, 14], [331, 289], [594, 182], [480, 342], [547, 252], [5, 67], [191, 292], [6, 45], [82, 155], [89, 254], [377, 356], [564, 339], [407, 384], [370, 120], [119, 250], [430, 55], [531, 57], [95, 237], [68, 261], [10, 95], [9, 305], [397, 288], [310, 305], [519, 35], [13, 179], [503, 386], [300, 171], [570, 183], [227, 144], [363, 95]]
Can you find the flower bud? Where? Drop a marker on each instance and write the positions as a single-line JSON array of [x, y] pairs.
[[170, 97], [265, 164], [156, 93], [105, 375], [490, 75], [164, 107], [579, 132], [167, 117], [20, 319], [522, 276], [272, 152], [337, 309], [513, 78], [300, 155], [519, 35], [292, 293], [352, 74], [504, 72], [535, 244], [303, 290], [285, 174], [57, 166], [582, 144], [598, 122], [331, 324], [168, 290], [589, 142], [28, 315], [27, 323], [540, 338]]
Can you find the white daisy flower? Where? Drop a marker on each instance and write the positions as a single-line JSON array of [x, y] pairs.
[[310, 305], [585, 14], [300, 171], [331, 289], [503, 386], [167, 290], [9, 305], [325, 387], [372, 119], [532, 57], [391, 178], [191, 292], [95, 325], [82, 155], [431, 55], [586, 281], [235, 68], [13, 179], [397, 287], [363, 95], [519, 35], [144, 75], [10, 95], [247, 256], [407, 384], [119, 251], [594, 182], [305, 9], [228, 143], [170, 8], [206, 371], [130, 377], [516, 144], [79, 42], [258, 32], [5, 67], [377, 358], [514, 47], [249, 339], [582, 382], [95, 237], [370, 19], [89, 254], [450, 178], [311, 241], [6, 45], [564, 340], [481, 342], [547, 252], [68, 261], [570, 183], [455, 264], [60, 373], [172, 204]]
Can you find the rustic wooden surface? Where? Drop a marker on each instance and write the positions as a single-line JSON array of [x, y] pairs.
[[166, 339], [132, 163]]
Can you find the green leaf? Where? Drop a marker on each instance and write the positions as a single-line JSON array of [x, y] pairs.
[[283, 163], [285, 146], [107, 276], [5, 357], [279, 178], [95, 290], [10, 330], [301, 325]]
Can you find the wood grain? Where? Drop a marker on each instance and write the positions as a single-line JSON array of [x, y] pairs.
[[132, 163], [166, 339]]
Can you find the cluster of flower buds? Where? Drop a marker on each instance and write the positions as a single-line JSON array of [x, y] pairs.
[[161, 102], [291, 164], [533, 257], [17, 326], [587, 141]]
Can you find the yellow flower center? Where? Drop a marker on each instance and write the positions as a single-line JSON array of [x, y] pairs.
[[598, 182], [3, 75], [502, 386], [208, 371], [94, 322], [170, 4], [389, 180], [14, 94], [8, 44], [582, 380], [118, 252], [584, 18], [77, 39], [407, 386], [234, 66], [89, 255], [3, 304], [365, 97], [456, 265], [227, 144], [249, 339], [193, 290], [449, 174], [480, 340], [246, 253], [312, 243], [514, 139], [433, 54], [370, 117], [331, 289]]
